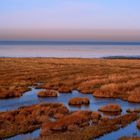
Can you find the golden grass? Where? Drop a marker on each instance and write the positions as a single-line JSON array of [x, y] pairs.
[[103, 78], [104, 126], [26, 119], [128, 90]]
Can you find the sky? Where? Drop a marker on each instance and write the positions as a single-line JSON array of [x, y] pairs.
[[70, 19]]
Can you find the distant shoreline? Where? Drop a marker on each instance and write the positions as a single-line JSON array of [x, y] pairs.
[[68, 43], [121, 57], [107, 57]]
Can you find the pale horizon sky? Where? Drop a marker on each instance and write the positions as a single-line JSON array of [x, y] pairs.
[[70, 19]]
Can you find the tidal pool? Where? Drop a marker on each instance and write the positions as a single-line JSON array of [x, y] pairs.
[[31, 97]]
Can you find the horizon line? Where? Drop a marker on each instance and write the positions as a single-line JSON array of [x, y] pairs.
[[66, 42]]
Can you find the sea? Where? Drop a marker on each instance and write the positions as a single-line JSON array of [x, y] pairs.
[[66, 49]]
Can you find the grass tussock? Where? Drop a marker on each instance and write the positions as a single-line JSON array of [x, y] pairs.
[[127, 90], [27, 119], [104, 126]]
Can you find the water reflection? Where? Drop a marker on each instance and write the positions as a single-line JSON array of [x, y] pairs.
[[84, 51], [31, 97]]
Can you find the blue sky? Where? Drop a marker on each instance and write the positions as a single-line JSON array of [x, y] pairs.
[[53, 15]]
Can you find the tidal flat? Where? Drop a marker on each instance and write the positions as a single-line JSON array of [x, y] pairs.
[[114, 83]]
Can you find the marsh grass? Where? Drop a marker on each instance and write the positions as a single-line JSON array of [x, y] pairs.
[[115, 78]]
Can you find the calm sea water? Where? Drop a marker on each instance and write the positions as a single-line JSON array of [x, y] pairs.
[[70, 50]]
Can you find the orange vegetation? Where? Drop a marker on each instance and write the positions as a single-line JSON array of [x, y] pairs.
[[110, 108], [67, 123], [102, 77], [47, 93], [87, 132], [79, 101], [134, 95], [127, 90], [137, 110], [27, 119]]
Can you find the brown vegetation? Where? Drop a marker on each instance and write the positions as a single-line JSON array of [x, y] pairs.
[[137, 110], [79, 101], [104, 126], [102, 77], [12, 92], [126, 91], [134, 96], [29, 118], [112, 108], [48, 93], [70, 122], [95, 117]]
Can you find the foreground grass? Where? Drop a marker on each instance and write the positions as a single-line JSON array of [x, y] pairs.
[[58, 123], [27, 119], [104, 126]]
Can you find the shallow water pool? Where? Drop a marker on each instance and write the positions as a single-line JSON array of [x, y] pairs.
[[31, 97]]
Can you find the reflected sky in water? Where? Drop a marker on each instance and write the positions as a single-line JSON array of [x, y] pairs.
[[31, 97], [84, 51]]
